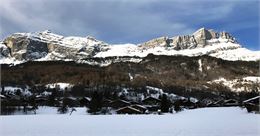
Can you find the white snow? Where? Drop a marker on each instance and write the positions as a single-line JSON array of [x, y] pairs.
[[200, 65], [158, 90], [62, 86], [228, 121], [222, 49], [119, 50], [13, 89], [252, 79], [238, 54], [9, 60], [130, 77], [246, 83]]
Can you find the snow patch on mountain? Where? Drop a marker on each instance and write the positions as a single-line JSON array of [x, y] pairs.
[[200, 65], [239, 85], [225, 50], [62, 86], [13, 89]]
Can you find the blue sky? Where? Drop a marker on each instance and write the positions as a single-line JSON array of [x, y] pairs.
[[132, 21]]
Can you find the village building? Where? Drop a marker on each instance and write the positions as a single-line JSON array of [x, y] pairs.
[[128, 110], [252, 104], [119, 103], [218, 103], [71, 101], [84, 101], [230, 102], [151, 101], [106, 102], [140, 108]]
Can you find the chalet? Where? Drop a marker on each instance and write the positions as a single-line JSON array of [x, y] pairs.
[[151, 101], [84, 101], [106, 102], [230, 102], [2, 97], [190, 103], [71, 101], [41, 101], [153, 108], [128, 110], [140, 108], [119, 104], [13, 100], [135, 102], [252, 104], [217, 103]]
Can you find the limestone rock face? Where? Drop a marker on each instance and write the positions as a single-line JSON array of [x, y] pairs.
[[31, 46], [198, 39], [21, 47], [4, 51], [183, 42], [161, 41], [226, 35]]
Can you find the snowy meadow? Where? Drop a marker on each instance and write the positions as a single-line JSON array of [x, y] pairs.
[[224, 121]]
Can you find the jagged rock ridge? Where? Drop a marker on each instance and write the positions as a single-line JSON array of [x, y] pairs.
[[200, 38]]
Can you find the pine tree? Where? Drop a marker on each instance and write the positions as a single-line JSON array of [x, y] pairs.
[[95, 104], [177, 107], [165, 103]]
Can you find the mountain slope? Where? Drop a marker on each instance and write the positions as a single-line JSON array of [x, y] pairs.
[[167, 72]]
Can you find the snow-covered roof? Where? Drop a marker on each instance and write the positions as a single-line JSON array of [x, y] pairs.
[[248, 100], [128, 107], [2, 96]]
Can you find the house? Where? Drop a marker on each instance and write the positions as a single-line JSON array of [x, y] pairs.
[[119, 103], [230, 102], [41, 101], [106, 102], [218, 103], [205, 102], [189, 104], [140, 108], [71, 101], [153, 108], [128, 110], [151, 101], [2, 97], [252, 104]]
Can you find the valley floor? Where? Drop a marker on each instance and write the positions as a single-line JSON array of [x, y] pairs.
[[226, 121]]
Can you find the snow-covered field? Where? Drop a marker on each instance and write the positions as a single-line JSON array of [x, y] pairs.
[[229, 121]]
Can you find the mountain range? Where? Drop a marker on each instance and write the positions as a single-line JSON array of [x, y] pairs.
[[46, 46], [205, 60]]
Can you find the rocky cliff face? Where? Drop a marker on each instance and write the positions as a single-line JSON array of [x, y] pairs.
[[200, 38], [31, 46], [23, 47]]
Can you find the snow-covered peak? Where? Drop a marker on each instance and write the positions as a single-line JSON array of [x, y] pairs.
[[49, 37], [46, 46]]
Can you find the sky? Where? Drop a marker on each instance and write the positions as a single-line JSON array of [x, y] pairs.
[[132, 21]]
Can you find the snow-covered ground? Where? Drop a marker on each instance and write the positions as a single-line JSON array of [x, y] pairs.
[[229, 121]]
